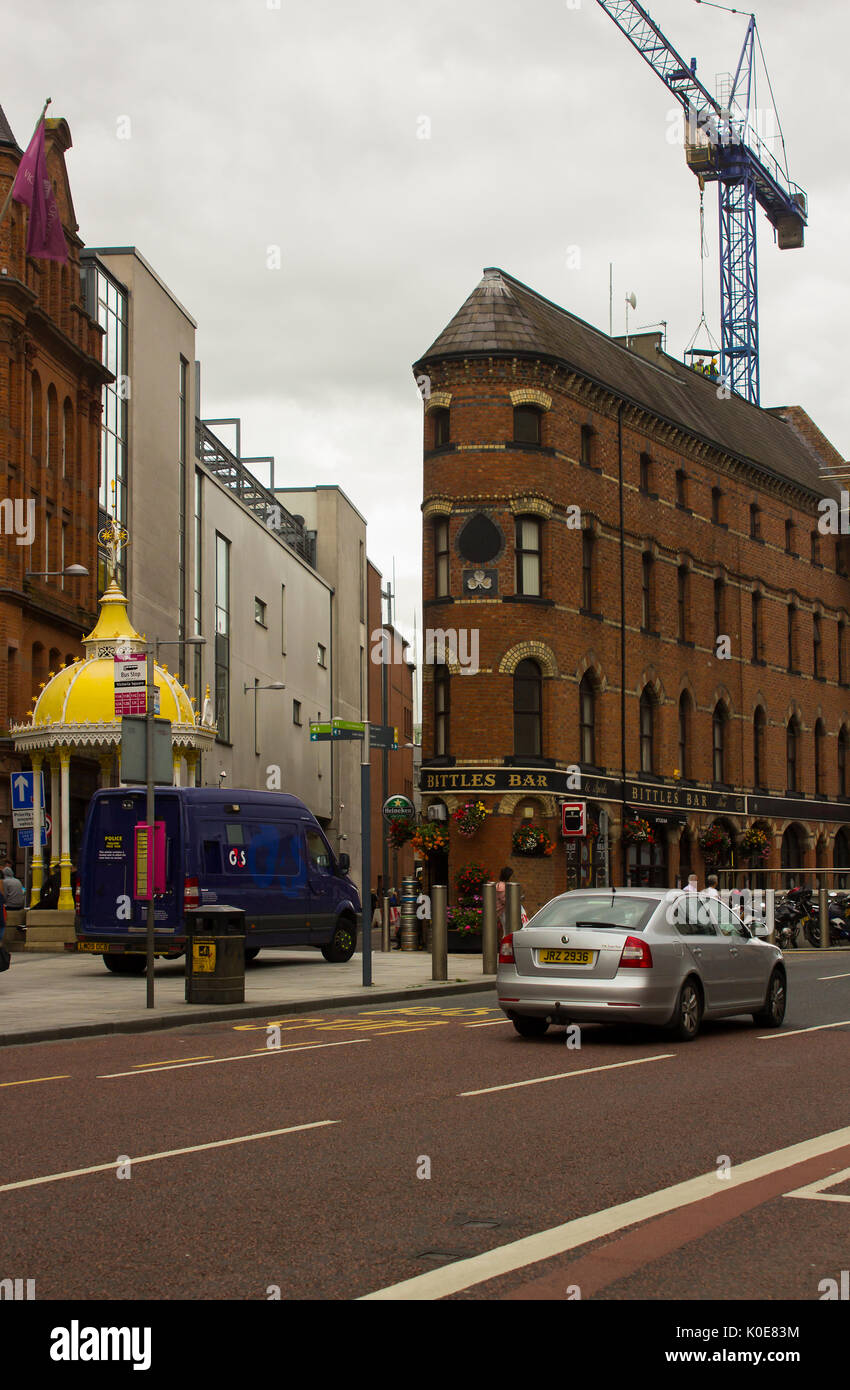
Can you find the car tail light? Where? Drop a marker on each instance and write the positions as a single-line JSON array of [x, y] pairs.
[[636, 954], [506, 950], [77, 897], [191, 893]]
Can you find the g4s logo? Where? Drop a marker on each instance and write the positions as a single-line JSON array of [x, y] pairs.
[[236, 858]]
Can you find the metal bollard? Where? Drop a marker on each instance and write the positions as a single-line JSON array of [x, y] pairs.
[[770, 913], [823, 914], [439, 932], [385, 924], [489, 930], [409, 924], [513, 906]]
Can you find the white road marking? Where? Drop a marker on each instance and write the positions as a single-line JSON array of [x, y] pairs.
[[814, 1192], [505, 1259], [562, 1075], [845, 976], [490, 1024], [792, 1032], [167, 1153], [240, 1057]]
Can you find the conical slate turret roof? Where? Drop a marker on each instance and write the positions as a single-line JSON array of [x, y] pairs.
[[6, 136]]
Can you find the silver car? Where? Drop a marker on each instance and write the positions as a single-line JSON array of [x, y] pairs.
[[638, 955]]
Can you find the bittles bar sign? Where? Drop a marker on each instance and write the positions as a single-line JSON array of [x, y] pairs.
[[566, 781]]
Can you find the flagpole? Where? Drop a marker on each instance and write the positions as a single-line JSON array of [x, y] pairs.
[[5, 206]]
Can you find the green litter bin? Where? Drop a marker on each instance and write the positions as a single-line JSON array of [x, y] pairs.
[[215, 954]]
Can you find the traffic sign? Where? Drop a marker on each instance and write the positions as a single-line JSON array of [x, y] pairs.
[[23, 787], [130, 674], [398, 808], [383, 736], [573, 817], [320, 732], [25, 837]]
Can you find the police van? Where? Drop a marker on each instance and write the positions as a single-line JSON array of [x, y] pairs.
[[264, 852]]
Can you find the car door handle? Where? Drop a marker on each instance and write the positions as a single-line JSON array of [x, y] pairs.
[[696, 950], [733, 950]]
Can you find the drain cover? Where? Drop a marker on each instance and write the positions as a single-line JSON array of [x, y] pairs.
[[485, 1222], [440, 1255]]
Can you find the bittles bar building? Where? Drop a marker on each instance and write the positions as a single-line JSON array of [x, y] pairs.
[[634, 556]]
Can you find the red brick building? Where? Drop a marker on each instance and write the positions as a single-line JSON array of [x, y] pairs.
[[51, 380], [389, 680], [661, 626]]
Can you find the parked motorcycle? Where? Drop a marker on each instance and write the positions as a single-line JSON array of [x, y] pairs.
[[838, 928], [788, 921]]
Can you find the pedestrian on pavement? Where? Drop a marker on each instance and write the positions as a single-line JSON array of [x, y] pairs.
[[505, 875], [692, 885], [395, 919], [48, 899], [711, 886], [13, 890]]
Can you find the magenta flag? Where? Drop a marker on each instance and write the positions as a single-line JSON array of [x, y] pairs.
[[32, 187]]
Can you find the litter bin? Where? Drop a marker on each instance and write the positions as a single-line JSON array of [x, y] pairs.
[[215, 954]]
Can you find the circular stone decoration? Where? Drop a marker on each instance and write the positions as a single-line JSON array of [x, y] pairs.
[[480, 540], [398, 808]]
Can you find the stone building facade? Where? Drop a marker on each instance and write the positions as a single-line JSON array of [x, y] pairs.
[[637, 561]]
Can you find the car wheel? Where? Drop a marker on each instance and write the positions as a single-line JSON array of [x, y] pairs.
[[251, 953], [341, 946], [125, 964], [773, 1013], [687, 1017], [528, 1027]]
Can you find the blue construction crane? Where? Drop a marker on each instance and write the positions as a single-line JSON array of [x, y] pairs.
[[722, 146]]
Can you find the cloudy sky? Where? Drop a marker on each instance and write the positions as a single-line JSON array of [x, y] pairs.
[[258, 124]]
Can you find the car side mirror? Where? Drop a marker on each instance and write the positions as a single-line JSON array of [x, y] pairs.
[[343, 863], [760, 930]]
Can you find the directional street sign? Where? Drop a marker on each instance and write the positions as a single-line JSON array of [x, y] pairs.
[[23, 786], [383, 736], [320, 732], [25, 837], [380, 735]]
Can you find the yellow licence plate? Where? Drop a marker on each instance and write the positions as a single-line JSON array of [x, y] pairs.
[[565, 957], [91, 946]]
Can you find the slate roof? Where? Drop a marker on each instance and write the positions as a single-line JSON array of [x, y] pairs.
[[502, 315], [6, 136]]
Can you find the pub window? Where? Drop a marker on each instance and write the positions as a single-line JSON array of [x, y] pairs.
[[842, 761], [756, 626], [527, 420], [792, 636], [441, 557], [716, 500], [528, 555], [684, 734], [682, 603], [718, 743], [681, 488], [840, 567], [587, 446], [587, 719], [789, 537], [840, 653], [815, 547], [645, 473], [528, 710], [792, 740], [719, 606], [816, 644], [755, 522], [646, 591], [820, 735], [441, 712], [587, 545], [758, 747], [647, 731], [442, 421]]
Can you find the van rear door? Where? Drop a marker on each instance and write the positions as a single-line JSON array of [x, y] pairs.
[[107, 905]]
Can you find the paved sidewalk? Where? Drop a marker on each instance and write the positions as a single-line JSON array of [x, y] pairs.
[[45, 997]]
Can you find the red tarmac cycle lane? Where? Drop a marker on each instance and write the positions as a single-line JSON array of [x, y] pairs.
[[339, 1211]]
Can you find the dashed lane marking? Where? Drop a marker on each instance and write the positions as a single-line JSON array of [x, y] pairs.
[[814, 1191], [240, 1057], [565, 1075], [543, 1245], [168, 1061], [491, 1023], [816, 1028], [167, 1153], [34, 1080]]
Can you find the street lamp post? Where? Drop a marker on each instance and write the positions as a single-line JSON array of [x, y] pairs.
[[275, 685]]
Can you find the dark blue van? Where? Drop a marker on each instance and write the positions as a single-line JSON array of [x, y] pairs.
[[264, 852]]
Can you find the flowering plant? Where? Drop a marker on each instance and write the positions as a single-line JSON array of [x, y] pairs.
[[465, 919], [430, 837], [638, 832], [400, 831], [714, 841], [755, 841], [468, 817], [469, 879], [531, 841]]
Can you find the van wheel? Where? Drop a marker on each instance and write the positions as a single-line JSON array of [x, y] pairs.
[[125, 964], [251, 953], [341, 946]]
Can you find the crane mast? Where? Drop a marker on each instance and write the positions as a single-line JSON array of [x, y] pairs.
[[723, 147]]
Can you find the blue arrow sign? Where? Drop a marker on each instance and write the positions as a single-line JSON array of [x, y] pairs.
[[23, 788]]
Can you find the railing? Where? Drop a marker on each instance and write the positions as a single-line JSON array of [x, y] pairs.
[[231, 471]]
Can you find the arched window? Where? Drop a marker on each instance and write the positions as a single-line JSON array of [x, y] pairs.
[[792, 749], [647, 731], [587, 719], [842, 761], [792, 854], [55, 659], [441, 712], [758, 748], [441, 557], [527, 420], [528, 710], [51, 433], [841, 857], [820, 736], [35, 415], [67, 437], [442, 426], [718, 742], [684, 734]]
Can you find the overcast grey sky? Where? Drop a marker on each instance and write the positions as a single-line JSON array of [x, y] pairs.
[[299, 127]]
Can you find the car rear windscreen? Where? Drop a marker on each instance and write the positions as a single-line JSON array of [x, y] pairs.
[[582, 910]]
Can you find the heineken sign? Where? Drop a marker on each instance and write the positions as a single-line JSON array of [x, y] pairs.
[[398, 808]]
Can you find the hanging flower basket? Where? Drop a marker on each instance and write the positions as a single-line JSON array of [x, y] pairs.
[[714, 843], [400, 831], [755, 842], [430, 837], [469, 817], [469, 879], [532, 842], [638, 832]]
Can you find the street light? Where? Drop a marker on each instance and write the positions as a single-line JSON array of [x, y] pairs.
[[70, 571], [275, 685]]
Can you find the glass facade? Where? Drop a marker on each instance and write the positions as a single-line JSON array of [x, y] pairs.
[[222, 637], [107, 302], [183, 425]]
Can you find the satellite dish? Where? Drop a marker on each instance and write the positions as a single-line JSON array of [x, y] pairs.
[[632, 299]]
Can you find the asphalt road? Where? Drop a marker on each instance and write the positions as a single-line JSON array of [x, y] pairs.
[[376, 1146]]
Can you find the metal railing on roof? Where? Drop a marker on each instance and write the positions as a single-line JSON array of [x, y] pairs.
[[231, 471]]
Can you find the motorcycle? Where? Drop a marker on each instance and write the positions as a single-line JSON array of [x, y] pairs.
[[838, 928], [788, 919]]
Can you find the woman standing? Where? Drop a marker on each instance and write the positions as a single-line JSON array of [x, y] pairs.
[[505, 875]]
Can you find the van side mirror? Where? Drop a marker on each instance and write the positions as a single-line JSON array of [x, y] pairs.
[[343, 863]]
